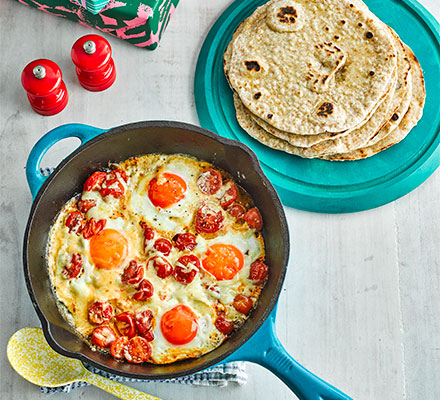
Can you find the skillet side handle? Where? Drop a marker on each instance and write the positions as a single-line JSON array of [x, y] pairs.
[[265, 349], [33, 175], [302, 382]]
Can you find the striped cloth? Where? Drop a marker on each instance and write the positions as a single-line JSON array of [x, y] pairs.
[[220, 375]]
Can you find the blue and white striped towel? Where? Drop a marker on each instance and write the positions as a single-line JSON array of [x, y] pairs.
[[220, 375]]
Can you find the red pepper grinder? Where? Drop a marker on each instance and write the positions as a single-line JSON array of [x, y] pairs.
[[95, 67], [43, 81]]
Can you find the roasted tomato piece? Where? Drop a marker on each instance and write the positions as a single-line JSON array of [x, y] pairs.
[[112, 187], [100, 312], [148, 335], [103, 336], [85, 205], [224, 325], [75, 222], [186, 268], [254, 219], [209, 218], [94, 181], [163, 246], [236, 210], [143, 321], [93, 227], [133, 273], [118, 347], [185, 241], [149, 232], [230, 194], [258, 271], [125, 324], [74, 269], [144, 291], [118, 174], [242, 303], [137, 350], [162, 266], [210, 181]]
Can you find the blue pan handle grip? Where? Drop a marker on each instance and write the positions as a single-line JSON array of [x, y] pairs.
[[34, 177], [265, 349]]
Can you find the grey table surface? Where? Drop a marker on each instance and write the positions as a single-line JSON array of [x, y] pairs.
[[360, 305]]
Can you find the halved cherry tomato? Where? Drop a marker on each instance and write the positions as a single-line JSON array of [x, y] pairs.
[[258, 271], [118, 174], [162, 266], [236, 210], [224, 325], [144, 321], [254, 219], [125, 324], [93, 227], [100, 312], [75, 222], [103, 336], [185, 241], [148, 335], [163, 246], [112, 187], [85, 205], [242, 303], [148, 231], [133, 273], [94, 181], [138, 350], [209, 218], [74, 269], [145, 290], [230, 194], [210, 181], [118, 347], [186, 269]]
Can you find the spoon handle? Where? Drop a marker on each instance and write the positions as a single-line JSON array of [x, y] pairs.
[[116, 388]]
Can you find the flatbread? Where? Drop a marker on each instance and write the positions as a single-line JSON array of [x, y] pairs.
[[312, 77], [409, 120]]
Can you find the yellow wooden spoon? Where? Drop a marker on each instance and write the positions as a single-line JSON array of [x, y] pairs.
[[33, 359]]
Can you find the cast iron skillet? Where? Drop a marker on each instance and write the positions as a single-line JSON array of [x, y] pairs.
[[126, 141]]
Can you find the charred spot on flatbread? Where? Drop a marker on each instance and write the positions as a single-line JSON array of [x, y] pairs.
[[287, 15], [325, 109], [252, 65]]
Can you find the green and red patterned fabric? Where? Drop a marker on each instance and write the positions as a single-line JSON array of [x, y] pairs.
[[139, 22]]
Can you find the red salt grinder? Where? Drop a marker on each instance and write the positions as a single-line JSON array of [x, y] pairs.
[[43, 81], [95, 67]]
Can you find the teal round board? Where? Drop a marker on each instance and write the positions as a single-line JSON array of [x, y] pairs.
[[319, 185]]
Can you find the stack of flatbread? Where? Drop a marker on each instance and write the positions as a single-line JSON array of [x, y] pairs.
[[323, 79]]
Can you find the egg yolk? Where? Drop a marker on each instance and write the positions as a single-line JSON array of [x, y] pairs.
[[166, 190], [223, 261], [108, 249], [179, 325]]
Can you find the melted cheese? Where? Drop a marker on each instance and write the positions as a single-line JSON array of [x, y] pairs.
[[204, 295]]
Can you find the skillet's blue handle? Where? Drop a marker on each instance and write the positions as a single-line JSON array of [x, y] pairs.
[[265, 349], [34, 177]]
